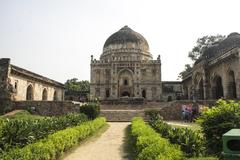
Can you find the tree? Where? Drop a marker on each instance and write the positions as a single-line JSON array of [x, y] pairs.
[[197, 51], [79, 86], [187, 69], [202, 44]]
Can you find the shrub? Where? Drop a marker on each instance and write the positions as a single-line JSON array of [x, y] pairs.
[[92, 110], [55, 144], [225, 115], [150, 146], [18, 133], [191, 142]]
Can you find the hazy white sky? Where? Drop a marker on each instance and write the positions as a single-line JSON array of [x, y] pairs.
[[55, 38]]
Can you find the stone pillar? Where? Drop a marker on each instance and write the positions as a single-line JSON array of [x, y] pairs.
[[205, 88], [238, 87]]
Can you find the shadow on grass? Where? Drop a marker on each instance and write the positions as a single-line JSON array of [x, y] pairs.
[[128, 144]]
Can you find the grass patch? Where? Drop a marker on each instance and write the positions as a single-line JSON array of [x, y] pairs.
[[192, 126], [21, 114]]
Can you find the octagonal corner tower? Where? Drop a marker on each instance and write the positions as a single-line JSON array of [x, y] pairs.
[[126, 69], [126, 43]]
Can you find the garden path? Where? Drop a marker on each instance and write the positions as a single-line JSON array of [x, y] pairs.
[[109, 146]]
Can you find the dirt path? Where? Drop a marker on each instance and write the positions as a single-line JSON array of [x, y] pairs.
[[109, 146]]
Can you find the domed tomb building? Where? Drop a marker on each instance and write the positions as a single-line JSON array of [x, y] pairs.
[[126, 68]]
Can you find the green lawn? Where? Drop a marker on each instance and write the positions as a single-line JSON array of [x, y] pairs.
[[21, 114], [193, 126]]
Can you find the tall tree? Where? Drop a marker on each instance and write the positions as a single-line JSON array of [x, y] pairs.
[[202, 44], [75, 85]]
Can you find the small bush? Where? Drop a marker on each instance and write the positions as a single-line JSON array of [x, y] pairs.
[[55, 144], [150, 146], [224, 116], [92, 110], [20, 132]]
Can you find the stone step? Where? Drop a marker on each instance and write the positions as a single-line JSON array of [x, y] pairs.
[[121, 115]]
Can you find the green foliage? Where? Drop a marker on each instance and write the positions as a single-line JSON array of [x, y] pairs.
[[20, 132], [187, 69], [150, 146], [75, 85], [22, 115], [55, 144], [191, 142], [224, 116], [202, 44], [92, 110], [204, 158]]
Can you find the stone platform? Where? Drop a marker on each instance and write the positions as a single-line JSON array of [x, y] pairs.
[[123, 112]]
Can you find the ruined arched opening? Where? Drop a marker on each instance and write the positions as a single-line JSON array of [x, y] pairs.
[[231, 85], [29, 94], [217, 88], [44, 94]]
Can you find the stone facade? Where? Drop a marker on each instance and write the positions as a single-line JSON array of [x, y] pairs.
[[217, 73], [126, 69], [26, 85], [172, 90]]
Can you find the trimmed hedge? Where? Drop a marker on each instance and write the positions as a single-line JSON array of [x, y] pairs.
[[204, 158], [55, 144], [20, 132], [192, 143], [150, 146]]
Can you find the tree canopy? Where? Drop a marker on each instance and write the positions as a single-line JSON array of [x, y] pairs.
[[202, 44], [75, 85], [197, 51]]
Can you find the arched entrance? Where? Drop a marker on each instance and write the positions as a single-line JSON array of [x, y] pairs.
[[125, 94], [44, 94], [125, 83], [217, 88], [29, 94], [231, 85]]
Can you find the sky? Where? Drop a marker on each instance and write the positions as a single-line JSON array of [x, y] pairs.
[[56, 38]]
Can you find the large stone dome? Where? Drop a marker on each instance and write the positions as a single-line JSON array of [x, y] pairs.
[[126, 41]]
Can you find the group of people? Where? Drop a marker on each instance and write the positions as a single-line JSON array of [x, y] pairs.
[[189, 112]]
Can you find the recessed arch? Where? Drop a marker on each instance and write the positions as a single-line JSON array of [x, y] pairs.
[[125, 83], [44, 94], [231, 85], [217, 87], [144, 94], [29, 93], [55, 96]]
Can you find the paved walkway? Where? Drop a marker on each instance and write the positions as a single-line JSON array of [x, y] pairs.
[[109, 146]]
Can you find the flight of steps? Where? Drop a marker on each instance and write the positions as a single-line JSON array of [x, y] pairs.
[[125, 112]]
